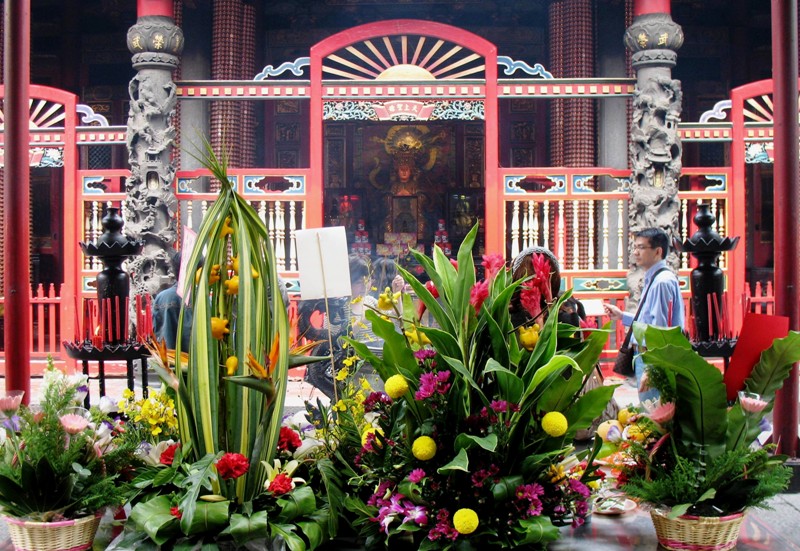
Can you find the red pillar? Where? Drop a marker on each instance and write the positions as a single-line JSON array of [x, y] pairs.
[[16, 232], [155, 7], [787, 203]]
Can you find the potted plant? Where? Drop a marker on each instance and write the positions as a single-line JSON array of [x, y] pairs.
[[61, 466], [696, 460], [470, 444]]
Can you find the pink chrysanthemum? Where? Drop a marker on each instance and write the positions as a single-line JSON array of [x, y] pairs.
[[73, 423]]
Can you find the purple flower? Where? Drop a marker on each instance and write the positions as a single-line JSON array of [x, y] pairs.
[[416, 514], [379, 498], [376, 400], [416, 476], [579, 487], [499, 406], [425, 354]]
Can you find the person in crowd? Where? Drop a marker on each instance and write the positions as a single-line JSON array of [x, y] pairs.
[[661, 301], [547, 285], [167, 311]]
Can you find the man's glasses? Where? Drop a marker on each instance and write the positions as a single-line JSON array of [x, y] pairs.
[[642, 247]]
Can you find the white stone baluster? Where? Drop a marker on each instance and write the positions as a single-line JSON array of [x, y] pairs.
[[546, 224], [576, 235], [591, 245], [292, 230], [280, 233], [604, 225], [534, 223]]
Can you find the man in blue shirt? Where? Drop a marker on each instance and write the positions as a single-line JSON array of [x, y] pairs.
[[167, 311], [663, 304]]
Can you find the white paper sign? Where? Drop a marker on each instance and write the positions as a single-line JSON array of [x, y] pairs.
[[189, 240], [593, 307], [322, 262]]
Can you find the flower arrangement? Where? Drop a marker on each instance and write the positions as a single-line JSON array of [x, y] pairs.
[[470, 443], [59, 460], [227, 479], [693, 453]]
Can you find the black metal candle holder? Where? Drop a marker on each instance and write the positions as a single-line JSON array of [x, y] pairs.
[[712, 336], [113, 341]]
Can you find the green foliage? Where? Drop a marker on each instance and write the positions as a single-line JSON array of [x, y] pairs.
[[707, 462], [49, 474], [480, 396]]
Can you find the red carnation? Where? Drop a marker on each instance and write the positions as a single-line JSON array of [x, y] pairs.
[[288, 440], [281, 484], [168, 455], [175, 512], [232, 465]]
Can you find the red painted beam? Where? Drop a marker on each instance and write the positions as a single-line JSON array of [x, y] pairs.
[[787, 205], [155, 7], [644, 7], [16, 232]]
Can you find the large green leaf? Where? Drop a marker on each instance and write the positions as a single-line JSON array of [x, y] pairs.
[[466, 441], [298, 502], [700, 403], [247, 527], [154, 517], [509, 384], [587, 408], [536, 530], [287, 532], [198, 478], [459, 463], [209, 517]]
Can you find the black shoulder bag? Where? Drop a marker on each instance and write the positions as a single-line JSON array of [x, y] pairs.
[[623, 365]]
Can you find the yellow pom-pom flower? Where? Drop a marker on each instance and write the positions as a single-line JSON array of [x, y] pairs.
[[424, 448], [465, 521], [554, 423], [396, 386]]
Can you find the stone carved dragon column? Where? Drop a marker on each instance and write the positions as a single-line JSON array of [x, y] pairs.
[[151, 207], [655, 147]]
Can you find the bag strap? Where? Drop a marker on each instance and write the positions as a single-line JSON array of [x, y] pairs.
[[627, 340]]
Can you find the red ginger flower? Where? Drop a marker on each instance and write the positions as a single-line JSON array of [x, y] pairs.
[[175, 512], [232, 465], [492, 264], [530, 297], [541, 266], [288, 440], [479, 293]]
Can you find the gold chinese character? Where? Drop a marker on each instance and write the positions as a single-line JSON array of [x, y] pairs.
[[137, 42], [662, 39], [642, 39], [158, 41]]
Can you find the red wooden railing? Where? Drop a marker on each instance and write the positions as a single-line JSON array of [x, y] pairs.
[[47, 331]]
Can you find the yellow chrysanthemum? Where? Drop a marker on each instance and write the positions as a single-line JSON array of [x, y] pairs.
[[554, 423], [424, 448], [529, 336], [396, 386], [465, 521]]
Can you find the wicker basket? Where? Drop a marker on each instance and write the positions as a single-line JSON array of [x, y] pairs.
[[68, 535], [697, 533]]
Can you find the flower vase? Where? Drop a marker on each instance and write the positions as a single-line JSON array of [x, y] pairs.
[[697, 533], [74, 534]]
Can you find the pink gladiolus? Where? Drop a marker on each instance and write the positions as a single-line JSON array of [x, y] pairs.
[[73, 423], [663, 413], [751, 403]]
